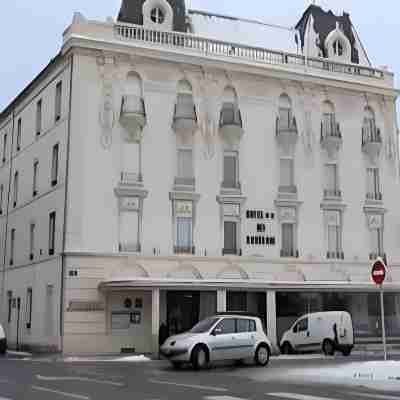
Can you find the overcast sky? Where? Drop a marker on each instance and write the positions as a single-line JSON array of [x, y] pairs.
[[31, 31]]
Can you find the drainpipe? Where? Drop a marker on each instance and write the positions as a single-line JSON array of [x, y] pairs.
[[63, 261]]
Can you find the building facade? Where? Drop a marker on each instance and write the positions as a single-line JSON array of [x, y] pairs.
[[174, 163]]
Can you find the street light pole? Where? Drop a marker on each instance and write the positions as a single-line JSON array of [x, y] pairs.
[[383, 323]]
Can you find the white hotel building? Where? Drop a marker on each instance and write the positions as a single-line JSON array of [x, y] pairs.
[[173, 163]]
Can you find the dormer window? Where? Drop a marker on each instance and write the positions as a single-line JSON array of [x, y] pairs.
[[338, 48], [157, 15]]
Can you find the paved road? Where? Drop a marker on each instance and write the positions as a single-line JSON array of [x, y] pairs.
[[46, 379]]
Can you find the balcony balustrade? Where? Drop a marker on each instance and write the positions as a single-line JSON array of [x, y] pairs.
[[133, 116], [204, 46], [185, 117], [230, 123], [374, 256]]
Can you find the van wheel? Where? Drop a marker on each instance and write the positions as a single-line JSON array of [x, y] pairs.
[[199, 357], [287, 348], [262, 355], [328, 348], [347, 351]]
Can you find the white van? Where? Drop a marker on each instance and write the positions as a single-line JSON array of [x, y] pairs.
[[3, 341], [327, 331]]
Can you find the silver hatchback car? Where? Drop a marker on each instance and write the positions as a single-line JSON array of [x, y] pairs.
[[220, 337]]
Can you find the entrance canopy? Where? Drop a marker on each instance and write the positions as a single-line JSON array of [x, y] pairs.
[[248, 284]]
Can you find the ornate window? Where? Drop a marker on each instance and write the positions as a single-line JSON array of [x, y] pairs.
[[157, 15], [338, 48]]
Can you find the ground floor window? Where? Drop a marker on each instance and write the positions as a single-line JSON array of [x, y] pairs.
[[363, 307]]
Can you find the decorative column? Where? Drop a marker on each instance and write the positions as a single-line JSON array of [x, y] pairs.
[[271, 317], [155, 319], [221, 300]]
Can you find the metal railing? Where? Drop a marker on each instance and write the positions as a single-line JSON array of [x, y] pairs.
[[371, 135], [185, 109], [184, 250], [207, 46], [332, 193], [130, 247], [377, 196], [330, 130], [286, 125], [335, 255], [132, 104], [290, 253], [131, 178], [232, 252]]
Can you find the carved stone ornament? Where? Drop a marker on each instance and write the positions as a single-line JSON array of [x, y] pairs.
[[306, 105], [374, 221], [107, 116], [287, 215], [208, 113], [389, 118]]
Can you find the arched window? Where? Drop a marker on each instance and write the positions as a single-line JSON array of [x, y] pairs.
[[230, 113], [329, 127], [285, 112], [338, 48], [134, 84], [185, 107], [157, 15], [369, 132]]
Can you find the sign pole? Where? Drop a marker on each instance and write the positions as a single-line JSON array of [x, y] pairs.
[[383, 323]]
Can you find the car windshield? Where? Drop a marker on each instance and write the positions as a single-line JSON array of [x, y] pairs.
[[204, 326]]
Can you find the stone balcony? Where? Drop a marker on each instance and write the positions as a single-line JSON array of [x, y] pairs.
[[371, 143], [185, 117], [184, 184], [133, 116], [288, 192], [230, 123], [331, 138]]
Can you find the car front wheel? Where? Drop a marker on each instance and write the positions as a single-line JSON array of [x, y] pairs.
[[199, 357], [328, 347], [262, 355]]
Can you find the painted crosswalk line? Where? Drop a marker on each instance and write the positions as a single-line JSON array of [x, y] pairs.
[[222, 398], [65, 394], [298, 396], [189, 386]]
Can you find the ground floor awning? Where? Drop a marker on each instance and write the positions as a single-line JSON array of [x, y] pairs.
[[247, 284]]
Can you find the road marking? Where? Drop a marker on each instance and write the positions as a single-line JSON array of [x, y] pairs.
[[72, 395], [77, 378], [3, 398], [298, 396], [222, 398], [374, 396], [215, 389]]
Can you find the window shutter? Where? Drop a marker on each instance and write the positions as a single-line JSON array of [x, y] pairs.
[[286, 172], [287, 238], [230, 235], [230, 169], [185, 163]]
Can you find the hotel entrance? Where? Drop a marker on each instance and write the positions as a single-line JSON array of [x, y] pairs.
[[186, 308]]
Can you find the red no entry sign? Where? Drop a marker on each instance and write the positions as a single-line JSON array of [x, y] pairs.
[[378, 272]]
